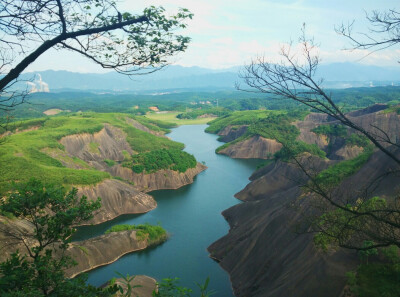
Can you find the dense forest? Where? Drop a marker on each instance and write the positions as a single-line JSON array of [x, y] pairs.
[[348, 99]]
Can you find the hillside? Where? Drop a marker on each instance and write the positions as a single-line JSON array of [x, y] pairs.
[[268, 251], [174, 77], [94, 153]]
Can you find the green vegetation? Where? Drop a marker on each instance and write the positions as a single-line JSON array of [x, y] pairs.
[[379, 278], [24, 154], [350, 99], [240, 118], [52, 213], [337, 130], [194, 114], [109, 162], [332, 176], [127, 156], [292, 149], [155, 125], [171, 117], [154, 234], [94, 148], [228, 144], [268, 124], [395, 108], [357, 140], [155, 160]]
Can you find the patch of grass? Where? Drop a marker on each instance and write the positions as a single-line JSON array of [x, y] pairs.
[[333, 175], [141, 141], [23, 154], [295, 148], [153, 161], [331, 130], [395, 109], [194, 114], [357, 140], [94, 148], [127, 156], [83, 249], [246, 117], [170, 117], [109, 162], [268, 124], [155, 125], [154, 234]]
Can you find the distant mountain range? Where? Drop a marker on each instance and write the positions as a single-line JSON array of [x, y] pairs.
[[178, 78]]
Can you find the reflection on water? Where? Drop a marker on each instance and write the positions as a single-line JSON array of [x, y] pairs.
[[191, 215]]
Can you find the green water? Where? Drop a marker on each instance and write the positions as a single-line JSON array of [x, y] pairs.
[[191, 214]]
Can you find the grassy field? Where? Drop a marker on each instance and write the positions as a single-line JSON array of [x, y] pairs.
[[25, 154], [170, 117]]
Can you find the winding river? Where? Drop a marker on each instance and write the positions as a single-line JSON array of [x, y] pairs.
[[192, 216]]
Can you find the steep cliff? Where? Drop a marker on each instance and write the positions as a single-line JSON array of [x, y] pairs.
[[109, 143], [162, 179], [117, 198], [230, 133], [102, 250], [262, 252], [255, 147], [310, 122]]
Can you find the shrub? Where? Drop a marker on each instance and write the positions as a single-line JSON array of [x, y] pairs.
[[155, 160]]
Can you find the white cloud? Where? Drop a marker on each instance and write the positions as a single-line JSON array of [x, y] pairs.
[[230, 32]]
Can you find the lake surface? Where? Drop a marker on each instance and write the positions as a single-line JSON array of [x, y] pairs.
[[192, 216]]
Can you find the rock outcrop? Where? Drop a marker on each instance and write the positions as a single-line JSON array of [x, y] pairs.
[[162, 179], [310, 122], [230, 133], [262, 252], [255, 147], [102, 250], [142, 285], [117, 198], [109, 143]]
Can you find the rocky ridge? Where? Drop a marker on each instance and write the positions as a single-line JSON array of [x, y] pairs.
[[262, 253], [162, 179], [117, 198], [102, 250]]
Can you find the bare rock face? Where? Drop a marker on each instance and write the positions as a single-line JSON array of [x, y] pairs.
[[230, 133], [264, 255], [143, 286], [370, 109], [162, 179], [377, 122], [94, 148], [277, 177], [255, 147], [117, 198], [310, 122], [347, 152], [8, 243], [102, 250]]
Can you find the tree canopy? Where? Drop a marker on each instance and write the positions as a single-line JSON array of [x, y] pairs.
[[96, 29]]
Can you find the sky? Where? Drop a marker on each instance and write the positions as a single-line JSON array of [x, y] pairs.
[[227, 33]]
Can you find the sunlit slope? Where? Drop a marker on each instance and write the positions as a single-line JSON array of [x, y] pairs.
[[27, 152]]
